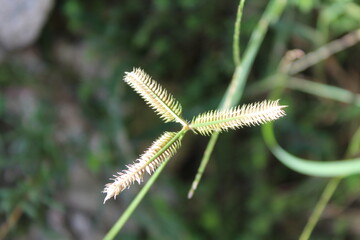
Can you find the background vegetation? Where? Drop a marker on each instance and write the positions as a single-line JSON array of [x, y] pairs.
[[68, 122]]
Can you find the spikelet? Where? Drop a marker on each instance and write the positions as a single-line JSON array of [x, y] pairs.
[[161, 149], [155, 95], [237, 117]]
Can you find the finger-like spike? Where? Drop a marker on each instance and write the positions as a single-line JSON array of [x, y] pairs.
[[155, 95], [159, 151], [246, 115]]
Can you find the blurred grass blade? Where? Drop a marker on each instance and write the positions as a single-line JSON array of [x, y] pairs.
[[319, 208], [323, 90], [237, 30], [325, 51], [338, 168], [354, 145], [352, 150], [235, 90], [295, 83], [204, 161], [236, 87]]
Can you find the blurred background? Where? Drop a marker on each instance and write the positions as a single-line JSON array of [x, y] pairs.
[[68, 122]]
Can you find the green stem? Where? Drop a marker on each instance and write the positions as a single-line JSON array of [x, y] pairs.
[[329, 190], [319, 208], [236, 37], [325, 91], [310, 87], [236, 87], [354, 145], [203, 164], [338, 168]]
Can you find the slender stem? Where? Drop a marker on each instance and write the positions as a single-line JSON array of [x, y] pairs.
[[236, 37], [337, 168], [329, 190], [319, 208], [203, 164], [354, 145], [310, 87], [10, 222], [235, 90], [236, 87], [325, 91]]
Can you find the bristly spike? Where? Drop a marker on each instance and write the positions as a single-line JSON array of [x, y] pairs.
[[169, 110], [237, 117], [152, 158], [155, 95]]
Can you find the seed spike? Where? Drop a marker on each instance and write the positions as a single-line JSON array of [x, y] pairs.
[[148, 162], [163, 103], [237, 117]]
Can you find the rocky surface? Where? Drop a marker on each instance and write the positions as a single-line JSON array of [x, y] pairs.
[[21, 22]]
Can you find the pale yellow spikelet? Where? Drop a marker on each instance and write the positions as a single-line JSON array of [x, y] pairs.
[[246, 115], [160, 150], [155, 95]]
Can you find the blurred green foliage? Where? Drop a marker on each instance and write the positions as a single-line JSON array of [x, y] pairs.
[[186, 46]]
